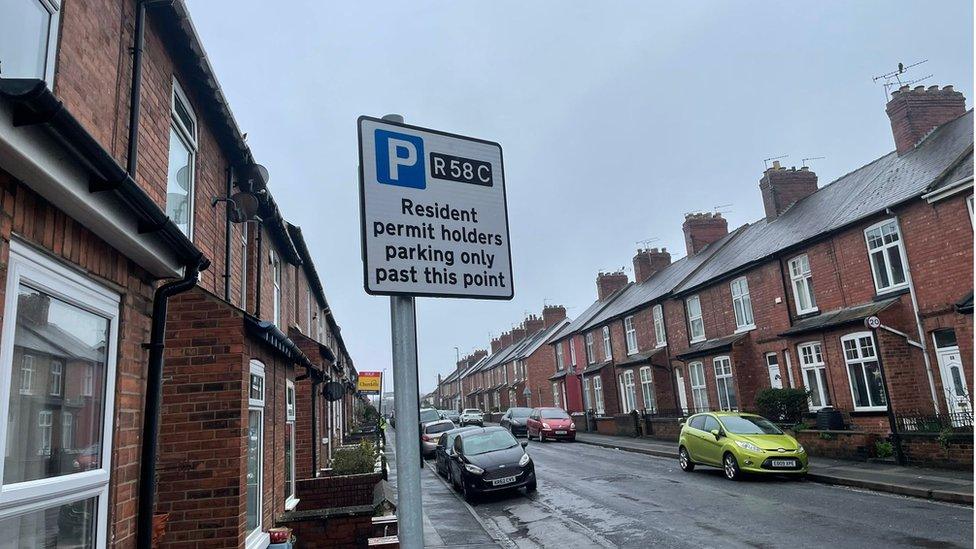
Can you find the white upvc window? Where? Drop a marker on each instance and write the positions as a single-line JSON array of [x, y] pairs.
[[559, 356], [572, 352], [802, 280], [56, 377], [26, 374], [88, 380], [864, 372], [724, 383], [598, 395], [555, 394], [887, 256], [699, 393], [647, 389], [29, 38], [182, 159], [659, 334], [69, 316], [628, 395], [590, 355], [742, 304], [587, 398], [631, 333], [696, 326], [607, 349], [814, 374], [255, 457], [243, 295], [276, 282]]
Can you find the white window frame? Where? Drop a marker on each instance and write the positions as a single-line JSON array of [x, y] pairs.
[[725, 383], [631, 334], [892, 287], [559, 356], [692, 337], [628, 393], [28, 266], [590, 354], [53, 8], [88, 381], [276, 285], [189, 138], [647, 389], [598, 395], [811, 359], [860, 360], [257, 538], [56, 382], [660, 334], [775, 358], [67, 428], [739, 289], [587, 397], [572, 352], [801, 279], [26, 374], [607, 347], [45, 425], [699, 389]]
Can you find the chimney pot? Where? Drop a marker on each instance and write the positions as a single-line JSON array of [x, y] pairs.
[[915, 114], [775, 164]]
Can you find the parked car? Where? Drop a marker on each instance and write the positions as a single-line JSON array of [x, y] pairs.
[[445, 451], [472, 416], [454, 416], [490, 459], [514, 420], [550, 423], [430, 433], [445, 414], [739, 443]]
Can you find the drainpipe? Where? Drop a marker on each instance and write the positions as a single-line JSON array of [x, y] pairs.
[[227, 236], [154, 397], [135, 99], [257, 278]]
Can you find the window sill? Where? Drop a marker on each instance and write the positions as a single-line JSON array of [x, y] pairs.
[[258, 540], [808, 313], [660, 345], [875, 411], [291, 503], [891, 292], [744, 329], [699, 340]]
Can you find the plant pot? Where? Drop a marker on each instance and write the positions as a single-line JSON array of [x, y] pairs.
[[159, 527]]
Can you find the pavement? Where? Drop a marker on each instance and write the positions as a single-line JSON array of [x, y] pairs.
[[935, 484]]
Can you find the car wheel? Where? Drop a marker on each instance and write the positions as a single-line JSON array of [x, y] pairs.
[[530, 487], [731, 467], [468, 494], [684, 459]]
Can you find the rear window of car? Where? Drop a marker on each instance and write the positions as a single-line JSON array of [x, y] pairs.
[[429, 415], [554, 413], [750, 425], [472, 411], [488, 442], [697, 422], [520, 412], [438, 427]]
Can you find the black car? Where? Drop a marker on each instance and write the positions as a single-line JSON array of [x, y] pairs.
[[514, 420], [444, 451], [490, 459]]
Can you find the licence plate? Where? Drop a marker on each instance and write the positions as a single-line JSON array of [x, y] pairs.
[[560, 432], [783, 463], [500, 481]]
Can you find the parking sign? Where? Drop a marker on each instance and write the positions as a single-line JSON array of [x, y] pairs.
[[433, 212]]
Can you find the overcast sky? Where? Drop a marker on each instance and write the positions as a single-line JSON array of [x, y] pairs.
[[615, 119]]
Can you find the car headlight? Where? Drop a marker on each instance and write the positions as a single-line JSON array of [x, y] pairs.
[[525, 460], [474, 469], [748, 446], [799, 448], [572, 426], [545, 426]]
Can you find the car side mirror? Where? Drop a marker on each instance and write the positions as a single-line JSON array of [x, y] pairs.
[[716, 433], [525, 444]]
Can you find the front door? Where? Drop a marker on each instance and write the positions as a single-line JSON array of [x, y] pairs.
[[679, 378], [954, 385]]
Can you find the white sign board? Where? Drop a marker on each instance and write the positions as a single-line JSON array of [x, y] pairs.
[[433, 210]]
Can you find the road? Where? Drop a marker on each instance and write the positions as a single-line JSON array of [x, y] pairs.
[[598, 497]]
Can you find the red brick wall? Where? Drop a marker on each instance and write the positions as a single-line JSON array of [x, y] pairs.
[[336, 491]]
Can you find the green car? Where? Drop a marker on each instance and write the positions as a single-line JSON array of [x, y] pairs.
[[739, 443]]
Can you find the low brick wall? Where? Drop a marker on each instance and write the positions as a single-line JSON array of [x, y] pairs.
[[336, 491], [625, 425], [924, 450], [579, 419], [662, 428], [855, 445], [606, 425], [343, 528]]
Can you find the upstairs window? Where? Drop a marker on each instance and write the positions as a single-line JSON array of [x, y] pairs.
[[559, 356], [590, 358], [276, 281], [607, 349], [696, 326], [742, 304], [886, 253], [659, 334], [572, 352], [28, 38], [631, 332], [182, 154], [802, 281]]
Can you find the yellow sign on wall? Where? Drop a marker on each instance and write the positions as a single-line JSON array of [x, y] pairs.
[[369, 382]]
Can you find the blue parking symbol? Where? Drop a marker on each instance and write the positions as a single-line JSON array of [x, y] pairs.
[[400, 160]]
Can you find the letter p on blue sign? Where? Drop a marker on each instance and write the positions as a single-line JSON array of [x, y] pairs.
[[400, 159]]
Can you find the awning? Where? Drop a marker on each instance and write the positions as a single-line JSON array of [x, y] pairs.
[[559, 375], [839, 317], [709, 346], [276, 339], [639, 358], [594, 368]]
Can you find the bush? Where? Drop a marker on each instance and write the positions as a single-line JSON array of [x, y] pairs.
[[883, 449], [355, 460], [782, 405]]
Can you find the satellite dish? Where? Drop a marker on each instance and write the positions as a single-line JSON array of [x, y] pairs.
[[333, 391], [243, 206], [253, 178]]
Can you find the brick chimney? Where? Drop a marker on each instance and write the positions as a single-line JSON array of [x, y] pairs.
[[518, 334], [701, 229], [781, 188], [505, 339], [553, 314], [915, 113], [478, 355], [649, 261], [533, 324], [496, 345], [607, 283]]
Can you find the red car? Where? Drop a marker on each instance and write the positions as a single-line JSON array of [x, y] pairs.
[[550, 423]]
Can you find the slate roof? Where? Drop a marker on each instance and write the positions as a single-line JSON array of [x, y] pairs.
[[591, 311], [883, 183], [839, 317], [537, 340], [709, 346]]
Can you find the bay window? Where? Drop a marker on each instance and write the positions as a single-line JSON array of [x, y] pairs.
[[814, 373], [886, 254], [742, 304], [631, 333], [867, 387], [724, 383], [182, 155], [28, 38], [802, 280], [696, 326]]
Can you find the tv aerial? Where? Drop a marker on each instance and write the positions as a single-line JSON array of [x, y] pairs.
[[897, 78]]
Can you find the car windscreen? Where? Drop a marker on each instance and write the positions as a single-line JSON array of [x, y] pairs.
[[472, 411], [750, 425], [429, 415], [553, 413], [438, 427], [491, 441], [520, 412]]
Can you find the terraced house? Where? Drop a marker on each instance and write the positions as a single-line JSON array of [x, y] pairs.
[[165, 345]]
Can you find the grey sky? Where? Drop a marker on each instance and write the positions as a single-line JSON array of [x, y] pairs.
[[615, 119]]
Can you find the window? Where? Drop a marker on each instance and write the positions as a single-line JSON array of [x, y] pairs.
[[814, 373], [255, 448], [572, 352], [276, 274], [244, 266], [498, 402], [598, 395], [56, 374], [28, 38], [742, 304], [628, 396], [555, 394], [559, 356], [182, 153], [60, 318], [607, 350], [884, 249], [659, 335], [590, 359], [698, 391], [647, 389], [696, 326], [802, 281], [631, 333], [587, 399], [88, 380], [724, 383], [867, 388]]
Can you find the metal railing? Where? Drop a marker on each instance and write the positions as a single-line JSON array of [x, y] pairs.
[[914, 422]]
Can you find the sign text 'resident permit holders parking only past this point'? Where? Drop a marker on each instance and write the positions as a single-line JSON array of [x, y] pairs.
[[434, 214]]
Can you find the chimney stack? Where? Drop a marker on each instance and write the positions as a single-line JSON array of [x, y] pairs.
[[553, 314], [608, 283], [701, 229], [781, 188], [496, 345], [518, 334], [506, 339], [478, 355], [649, 261], [533, 324], [914, 113]]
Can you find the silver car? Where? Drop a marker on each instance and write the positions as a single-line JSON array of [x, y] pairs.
[[431, 434], [472, 416]]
